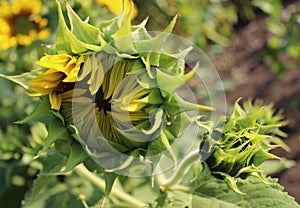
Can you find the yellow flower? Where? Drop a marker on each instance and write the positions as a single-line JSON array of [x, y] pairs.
[[20, 23], [116, 6], [62, 69]]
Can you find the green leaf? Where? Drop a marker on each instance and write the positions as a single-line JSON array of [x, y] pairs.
[[52, 162], [56, 132], [62, 191], [179, 199], [215, 193], [175, 199], [41, 200], [42, 110], [257, 193], [41, 182], [203, 202], [22, 79], [77, 155]]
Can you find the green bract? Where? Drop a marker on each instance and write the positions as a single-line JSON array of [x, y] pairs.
[[241, 142]]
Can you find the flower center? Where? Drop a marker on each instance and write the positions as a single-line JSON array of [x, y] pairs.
[[22, 25], [101, 102]]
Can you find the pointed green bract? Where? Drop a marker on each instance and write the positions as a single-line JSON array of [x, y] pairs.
[[244, 144], [109, 182], [76, 157], [42, 110], [122, 37], [82, 30], [67, 42], [155, 44], [55, 132]]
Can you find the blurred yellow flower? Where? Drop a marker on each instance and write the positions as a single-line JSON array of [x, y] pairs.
[[62, 69], [20, 23], [116, 6]]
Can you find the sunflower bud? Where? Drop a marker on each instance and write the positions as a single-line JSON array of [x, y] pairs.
[[114, 87], [242, 141]]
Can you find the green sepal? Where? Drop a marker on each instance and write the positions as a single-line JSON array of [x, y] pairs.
[[108, 28], [82, 30], [171, 83], [92, 166], [261, 156], [140, 32], [157, 119], [174, 64], [42, 110], [176, 105], [66, 41], [155, 44], [109, 178], [77, 156], [122, 37], [130, 163], [256, 172], [231, 182], [154, 97], [59, 116], [145, 131]]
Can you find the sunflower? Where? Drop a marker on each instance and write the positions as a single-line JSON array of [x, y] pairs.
[[20, 23], [116, 7], [116, 92]]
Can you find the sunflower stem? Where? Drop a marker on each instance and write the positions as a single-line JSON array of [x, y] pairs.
[[82, 171], [177, 176]]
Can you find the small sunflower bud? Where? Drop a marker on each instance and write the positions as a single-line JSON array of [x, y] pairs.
[[244, 140]]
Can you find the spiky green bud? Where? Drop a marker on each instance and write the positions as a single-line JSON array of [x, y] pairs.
[[244, 140]]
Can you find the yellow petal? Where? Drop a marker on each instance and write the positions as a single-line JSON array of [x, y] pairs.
[[55, 100], [40, 83], [57, 62], [72, 76]]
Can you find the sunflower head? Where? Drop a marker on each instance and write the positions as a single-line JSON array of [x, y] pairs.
[[21, 23], [115, 88], [242, 141]]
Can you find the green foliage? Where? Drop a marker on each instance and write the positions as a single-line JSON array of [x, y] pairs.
[[283, 44], [212, 192], [210, 24]]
